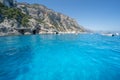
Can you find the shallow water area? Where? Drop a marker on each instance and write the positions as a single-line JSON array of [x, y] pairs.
[[60, 57]]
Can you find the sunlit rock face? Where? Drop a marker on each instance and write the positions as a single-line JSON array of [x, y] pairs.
[[50, 19]]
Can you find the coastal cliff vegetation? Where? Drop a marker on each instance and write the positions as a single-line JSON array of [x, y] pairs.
[[14, 13]]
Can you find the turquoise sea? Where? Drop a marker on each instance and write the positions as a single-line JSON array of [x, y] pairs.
[[60, 57]]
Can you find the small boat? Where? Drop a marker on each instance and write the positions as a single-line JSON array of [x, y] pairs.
[[108, 34]]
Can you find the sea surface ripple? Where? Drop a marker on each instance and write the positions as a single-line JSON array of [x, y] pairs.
[[60, 57]]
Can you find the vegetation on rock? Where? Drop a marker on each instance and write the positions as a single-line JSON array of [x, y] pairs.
[[14, 13]]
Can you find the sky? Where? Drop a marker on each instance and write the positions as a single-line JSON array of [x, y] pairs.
[[97, 15]]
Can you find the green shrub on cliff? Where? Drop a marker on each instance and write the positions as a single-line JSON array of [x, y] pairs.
[[14, 13], [24, 21]]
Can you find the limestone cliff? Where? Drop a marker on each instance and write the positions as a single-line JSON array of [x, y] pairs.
[[34, 19]]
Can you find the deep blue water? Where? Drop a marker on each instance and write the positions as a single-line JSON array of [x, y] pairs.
[[60, 57]]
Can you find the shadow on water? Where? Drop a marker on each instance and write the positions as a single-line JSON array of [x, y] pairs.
[[14, 61]]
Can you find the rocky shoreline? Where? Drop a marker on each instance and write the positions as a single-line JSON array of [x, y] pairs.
[[16, 33]]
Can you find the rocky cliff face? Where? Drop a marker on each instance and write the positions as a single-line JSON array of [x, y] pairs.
[[35, 19]]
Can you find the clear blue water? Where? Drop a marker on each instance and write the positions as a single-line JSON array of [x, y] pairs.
[[60, 57]]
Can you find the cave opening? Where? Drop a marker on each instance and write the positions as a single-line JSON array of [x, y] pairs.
[[22, 32], [34, 31]]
